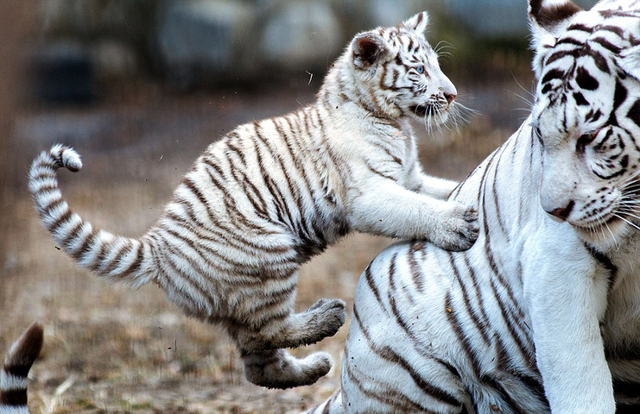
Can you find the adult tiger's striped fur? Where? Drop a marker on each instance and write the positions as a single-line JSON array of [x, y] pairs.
[[542, 314], [18, 362], [270, 194]]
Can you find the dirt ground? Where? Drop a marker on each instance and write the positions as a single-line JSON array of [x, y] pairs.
[[110, 349]]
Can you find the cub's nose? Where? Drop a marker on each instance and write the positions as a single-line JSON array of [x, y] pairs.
[[450, 97]]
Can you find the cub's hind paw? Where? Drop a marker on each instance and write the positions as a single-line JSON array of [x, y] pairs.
[[278, 369], [323, 319], [458, 228]]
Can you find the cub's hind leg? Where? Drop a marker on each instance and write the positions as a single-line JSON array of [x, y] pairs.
[[276, 368], [262, 340]]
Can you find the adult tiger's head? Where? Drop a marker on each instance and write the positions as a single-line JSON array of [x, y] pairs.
[[396, 72], [586, 114]]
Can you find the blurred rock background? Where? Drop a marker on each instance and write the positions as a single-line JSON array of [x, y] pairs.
[[140, 88], [190, 43]]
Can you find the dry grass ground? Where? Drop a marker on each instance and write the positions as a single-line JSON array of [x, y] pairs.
[[109, 349]]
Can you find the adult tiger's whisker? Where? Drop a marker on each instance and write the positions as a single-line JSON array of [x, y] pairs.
[[635, 226]]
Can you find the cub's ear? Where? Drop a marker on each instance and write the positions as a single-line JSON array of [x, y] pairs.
[[417, 23], [367, 48]]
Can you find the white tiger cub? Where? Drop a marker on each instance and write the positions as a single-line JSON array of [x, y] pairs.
[[270, 194], [542, 314]]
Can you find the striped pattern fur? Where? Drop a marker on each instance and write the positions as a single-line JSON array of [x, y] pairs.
[[18, 362], [541, 314], [271, 194]]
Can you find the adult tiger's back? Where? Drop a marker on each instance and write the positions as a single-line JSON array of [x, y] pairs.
[[273, 193]]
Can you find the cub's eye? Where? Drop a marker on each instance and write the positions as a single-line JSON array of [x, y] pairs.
[[585, 140], [420, 69]]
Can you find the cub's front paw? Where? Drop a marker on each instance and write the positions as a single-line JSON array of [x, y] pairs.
[[457, 229]]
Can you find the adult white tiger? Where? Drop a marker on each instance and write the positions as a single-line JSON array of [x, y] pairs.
[[543, 312], [273, 193]]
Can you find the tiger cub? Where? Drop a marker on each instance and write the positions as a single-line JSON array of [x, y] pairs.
[[273, 193], [18, 362]]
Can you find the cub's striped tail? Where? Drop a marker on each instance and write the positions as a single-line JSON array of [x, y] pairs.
[[13, 377], [114, 257]]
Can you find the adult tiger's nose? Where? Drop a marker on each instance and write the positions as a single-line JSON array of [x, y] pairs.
[[450, 97], [562, 212]]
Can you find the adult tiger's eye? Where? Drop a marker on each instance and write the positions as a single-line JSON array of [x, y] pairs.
[[420, 69], [538, 134], [585, 140]]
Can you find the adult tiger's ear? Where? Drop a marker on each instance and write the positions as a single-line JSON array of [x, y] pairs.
[[417, 23], [367, 49], [549, 17], [551, 14], [629, 62], [547, 20]]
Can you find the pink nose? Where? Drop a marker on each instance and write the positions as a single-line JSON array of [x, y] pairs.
[[450, 97], [563, 212]]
